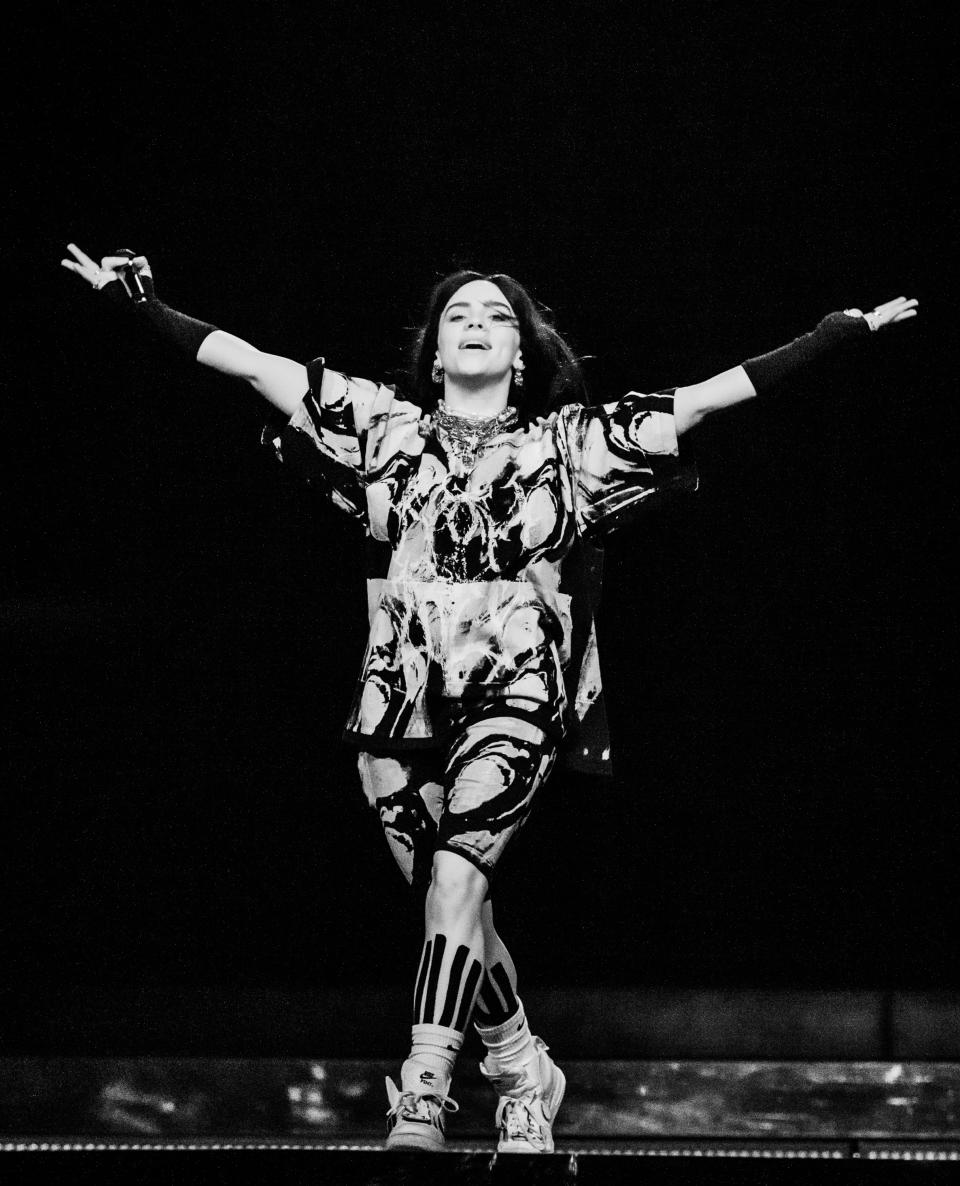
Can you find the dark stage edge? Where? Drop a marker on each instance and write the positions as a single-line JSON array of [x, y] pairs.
[[712, 1163]]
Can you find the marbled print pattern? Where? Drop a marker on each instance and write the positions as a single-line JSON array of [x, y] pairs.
[[469, 800], [470, 604]]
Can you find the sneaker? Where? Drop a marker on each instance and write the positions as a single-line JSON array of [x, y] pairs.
[[415, 1119], [529, 1100]]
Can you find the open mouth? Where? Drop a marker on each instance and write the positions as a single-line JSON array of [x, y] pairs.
[[474, 346]]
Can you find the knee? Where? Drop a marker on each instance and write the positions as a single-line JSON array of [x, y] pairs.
[[456, 887]]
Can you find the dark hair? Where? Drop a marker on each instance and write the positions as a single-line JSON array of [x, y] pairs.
[[551, 377]]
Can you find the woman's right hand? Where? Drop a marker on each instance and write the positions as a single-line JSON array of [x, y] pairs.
[[111, 267], [281, 381]]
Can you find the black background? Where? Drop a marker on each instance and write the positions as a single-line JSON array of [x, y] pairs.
[[685, 186]]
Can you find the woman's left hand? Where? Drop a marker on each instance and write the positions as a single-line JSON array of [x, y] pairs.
[[898, 309]]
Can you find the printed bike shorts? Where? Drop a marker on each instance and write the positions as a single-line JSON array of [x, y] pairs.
[[468, 797]]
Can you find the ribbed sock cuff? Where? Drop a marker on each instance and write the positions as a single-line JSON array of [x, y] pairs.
[[510, 1044], [433, 1055], [438, 1036], [493, 1035]]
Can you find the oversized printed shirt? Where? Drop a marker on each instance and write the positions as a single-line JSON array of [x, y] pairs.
[[479, 577]]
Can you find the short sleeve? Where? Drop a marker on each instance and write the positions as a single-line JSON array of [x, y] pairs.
[[621, 456], [321, 441]]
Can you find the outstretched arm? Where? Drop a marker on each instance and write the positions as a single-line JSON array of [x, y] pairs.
[[279, 380], [692, 404]]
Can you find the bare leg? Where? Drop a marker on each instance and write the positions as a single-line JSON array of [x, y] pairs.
[[500, 1019], [530, 1086], [450, 976], [450, 969], [497, 999], [409, 800]]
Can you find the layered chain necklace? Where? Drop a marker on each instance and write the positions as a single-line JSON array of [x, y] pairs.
[[465, 436]]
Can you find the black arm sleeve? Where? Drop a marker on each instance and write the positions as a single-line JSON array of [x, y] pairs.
[[767, 370], [185, 333]]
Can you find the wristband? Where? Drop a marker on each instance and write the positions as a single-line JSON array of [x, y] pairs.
[[767, 370]]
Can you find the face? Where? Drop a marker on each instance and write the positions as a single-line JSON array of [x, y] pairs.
[[478, 337]]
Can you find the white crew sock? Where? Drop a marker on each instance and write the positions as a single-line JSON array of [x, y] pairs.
[[509, 1045], [433, 1053]]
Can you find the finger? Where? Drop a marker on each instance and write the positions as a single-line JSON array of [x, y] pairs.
[[81, 255], [907, 309], [68, 263], [112, 262], [898, 303], [891, 309]]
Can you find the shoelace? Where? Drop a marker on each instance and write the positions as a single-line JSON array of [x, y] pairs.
[[410, 1102], [520, 1122]]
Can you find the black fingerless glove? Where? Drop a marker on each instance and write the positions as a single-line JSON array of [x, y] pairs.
[[186, 333], [767, 370]]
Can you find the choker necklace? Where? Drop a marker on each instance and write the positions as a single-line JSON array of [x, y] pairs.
[[465, 436]]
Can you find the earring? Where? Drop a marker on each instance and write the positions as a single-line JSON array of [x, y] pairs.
[[437, 373], [518, 377]]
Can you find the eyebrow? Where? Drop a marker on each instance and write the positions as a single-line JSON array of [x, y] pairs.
[[486, 305]]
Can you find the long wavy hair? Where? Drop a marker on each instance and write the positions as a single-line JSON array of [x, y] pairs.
[[552, 375]]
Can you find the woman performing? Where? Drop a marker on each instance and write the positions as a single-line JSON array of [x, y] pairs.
[[480, 489]]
